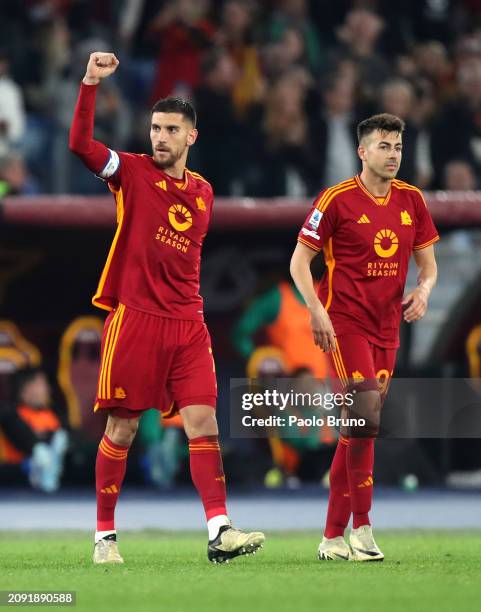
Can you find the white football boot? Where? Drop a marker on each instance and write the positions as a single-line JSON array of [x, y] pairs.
[[363, 546], [231, 542], [333, 549], [106, 550]]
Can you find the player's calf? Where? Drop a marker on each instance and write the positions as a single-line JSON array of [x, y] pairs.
[[110, 470]]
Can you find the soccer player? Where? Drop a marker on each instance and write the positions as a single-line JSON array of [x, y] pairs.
[[368, 227], [156, 350]]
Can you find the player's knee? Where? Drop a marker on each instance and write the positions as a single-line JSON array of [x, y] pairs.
[[199, 421], [365, 414], [121, 431]]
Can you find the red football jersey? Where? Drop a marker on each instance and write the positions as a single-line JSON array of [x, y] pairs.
[[367, 244], [154, 261]]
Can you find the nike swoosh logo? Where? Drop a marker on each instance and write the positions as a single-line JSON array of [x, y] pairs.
[[371, 553], [345, 557]]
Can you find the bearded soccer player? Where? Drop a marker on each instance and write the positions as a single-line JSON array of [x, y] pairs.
[[156, 350], [368, 227]]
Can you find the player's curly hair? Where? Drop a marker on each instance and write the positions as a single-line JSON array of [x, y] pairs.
[[176, 105], [383, 122]]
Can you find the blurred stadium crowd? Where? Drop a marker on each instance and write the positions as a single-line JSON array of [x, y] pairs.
[[278, 84]]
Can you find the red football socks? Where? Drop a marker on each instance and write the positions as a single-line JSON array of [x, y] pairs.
[[109, 475], [208, 474], [339, 507], [360, 463]]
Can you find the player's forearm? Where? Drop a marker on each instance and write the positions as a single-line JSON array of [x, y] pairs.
[[301, 275], [427, 276], [94, 154]]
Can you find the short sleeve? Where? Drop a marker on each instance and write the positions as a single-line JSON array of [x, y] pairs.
[[318, 226], [426, 232]]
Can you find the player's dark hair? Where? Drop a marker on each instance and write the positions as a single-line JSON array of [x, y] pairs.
[[383, 122], [176, 105]]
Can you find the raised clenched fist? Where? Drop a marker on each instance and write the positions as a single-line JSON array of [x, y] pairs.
[[100, 65]]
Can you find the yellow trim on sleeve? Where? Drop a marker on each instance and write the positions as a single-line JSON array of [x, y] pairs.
[[418, 247], [311, 246]]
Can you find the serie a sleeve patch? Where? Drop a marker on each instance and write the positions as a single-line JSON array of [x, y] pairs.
[[315, 219]]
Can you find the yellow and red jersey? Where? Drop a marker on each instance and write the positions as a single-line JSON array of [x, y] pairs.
[[367, 244], [154, 261]]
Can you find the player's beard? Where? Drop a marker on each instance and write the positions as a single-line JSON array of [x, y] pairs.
[[167, 161]]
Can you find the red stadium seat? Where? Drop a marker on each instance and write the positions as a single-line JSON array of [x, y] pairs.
[[79, 360]]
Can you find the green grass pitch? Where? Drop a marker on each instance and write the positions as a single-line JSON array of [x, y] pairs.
[[423, 571]]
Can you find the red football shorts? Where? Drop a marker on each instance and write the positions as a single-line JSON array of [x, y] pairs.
[[154, 362], [360, 365]]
